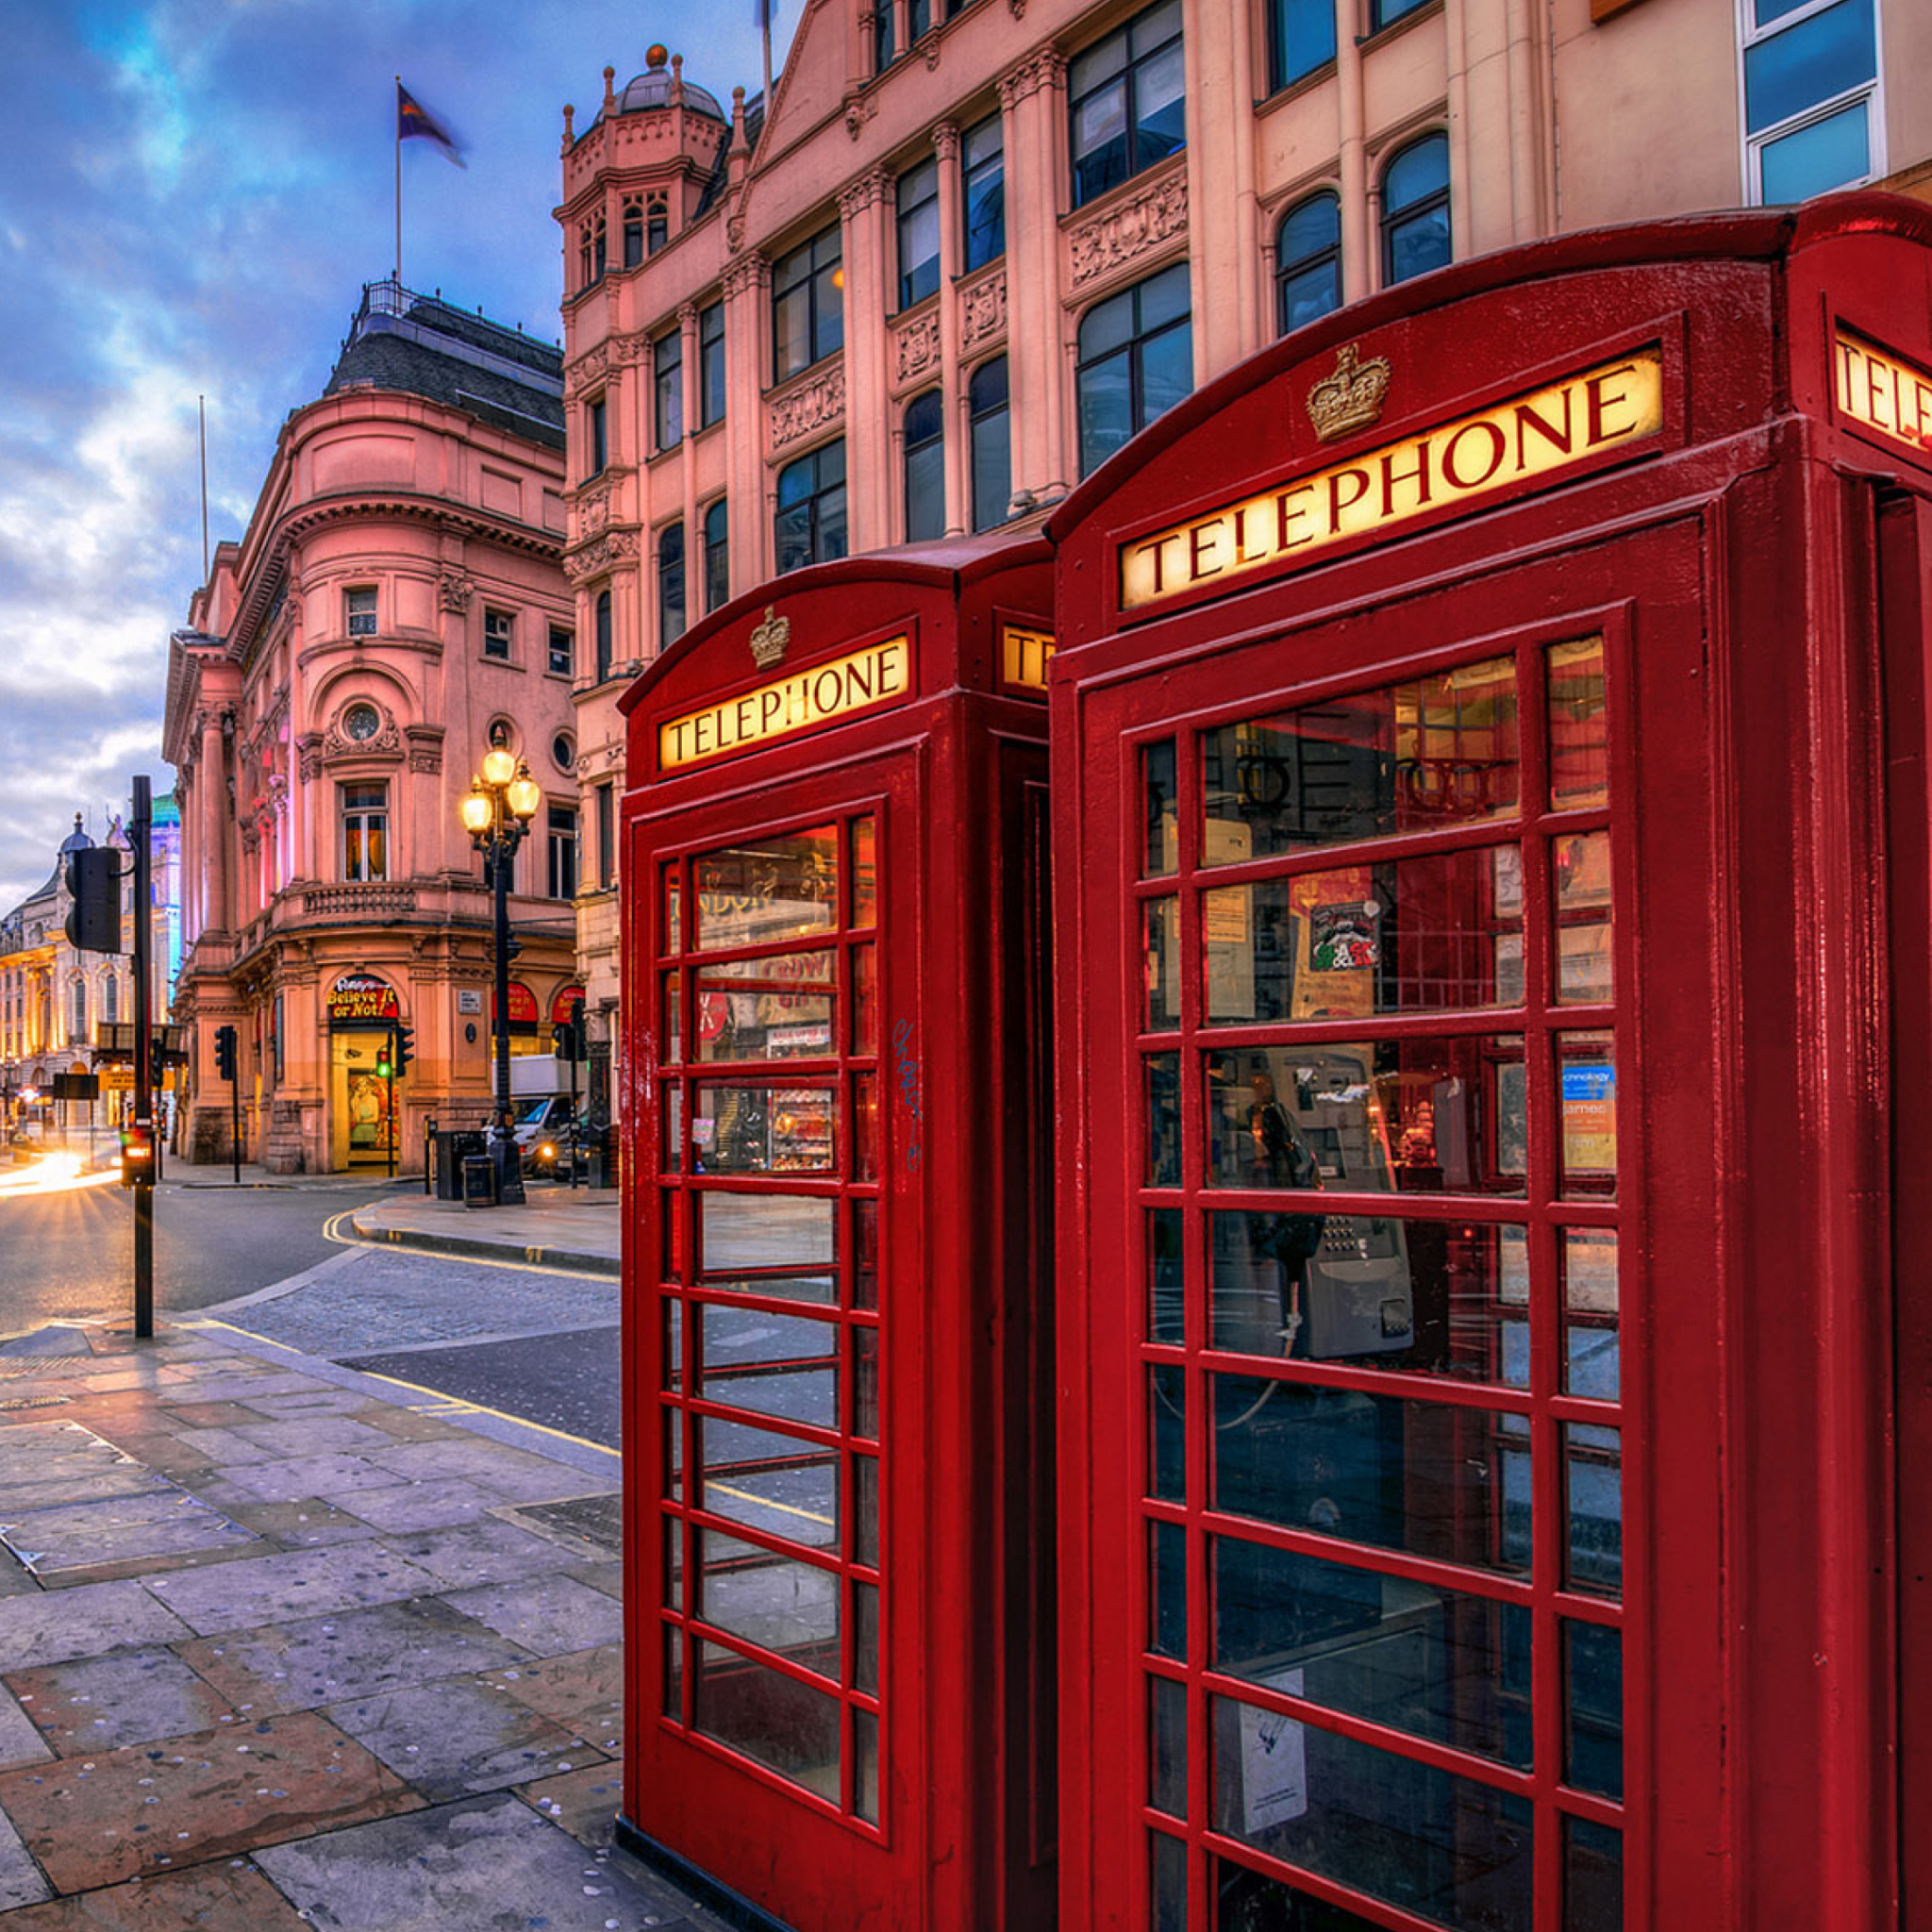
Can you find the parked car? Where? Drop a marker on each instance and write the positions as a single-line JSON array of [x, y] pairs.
[[546, 1140]]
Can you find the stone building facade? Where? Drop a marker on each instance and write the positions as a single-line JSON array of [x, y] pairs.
[[396, 607]]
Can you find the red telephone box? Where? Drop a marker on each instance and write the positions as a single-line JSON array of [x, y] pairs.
[[837, 1313], [1490, 801]]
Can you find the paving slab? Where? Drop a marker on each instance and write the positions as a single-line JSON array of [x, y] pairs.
[[548, 1616], [21, 1880], [302, 1666], [296, 1583], [106, 1703], [305, 1523], [52, 1627], [89, 1536], [583, 1801], [407, 1506], [584, 1691], [483, 1862], [230, 1897], [19, 1739], [317, 1435], [215, 1794], [296, 1476], [515, 1476], [472, 1554]]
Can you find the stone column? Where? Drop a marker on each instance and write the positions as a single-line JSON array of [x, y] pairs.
[[211, 781], [945, 147], [864, 217], [1033, 127], [747, 369]]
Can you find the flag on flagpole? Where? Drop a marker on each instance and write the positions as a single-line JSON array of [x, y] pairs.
[[414, 118]]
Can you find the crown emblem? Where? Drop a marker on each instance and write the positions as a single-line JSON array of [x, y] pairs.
[[1350, 396], [769, 640]]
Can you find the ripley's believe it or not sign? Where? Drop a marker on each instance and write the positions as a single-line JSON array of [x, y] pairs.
[[874, 676], [360, 999], [1527, 437]]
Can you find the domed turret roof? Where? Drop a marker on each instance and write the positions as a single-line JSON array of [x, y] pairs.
[[76, 841], [652, 89]]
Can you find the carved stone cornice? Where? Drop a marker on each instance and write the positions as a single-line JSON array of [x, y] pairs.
[[612, 549], [426, 747], [945, 140], [454, 592], [916, 347], [1047, 68], [594, 512], [686, 317], [983, 311], [308, 756], [868, 190], [748, 275], [1128, 230], [808, 404]]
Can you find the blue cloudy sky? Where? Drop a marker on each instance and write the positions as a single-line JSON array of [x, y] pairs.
[[192, 195]]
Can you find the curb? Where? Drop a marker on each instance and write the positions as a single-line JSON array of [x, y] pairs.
[[473, 1246]]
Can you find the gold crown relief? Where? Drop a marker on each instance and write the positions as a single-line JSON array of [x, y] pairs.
[[1350, 396], [769, 640]]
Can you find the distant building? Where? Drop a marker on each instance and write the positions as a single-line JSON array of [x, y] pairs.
[[396, 607]]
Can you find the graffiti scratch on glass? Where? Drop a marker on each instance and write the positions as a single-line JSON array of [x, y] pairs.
[[907, 1068]]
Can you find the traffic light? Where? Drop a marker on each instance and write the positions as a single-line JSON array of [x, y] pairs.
[[567, 1036], [385, 1057], [94, 878], [402, 1049], [224, 1052], [138, 1156]]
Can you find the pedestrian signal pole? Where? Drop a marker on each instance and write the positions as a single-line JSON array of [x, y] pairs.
[[143, 1176], [225, 1068]]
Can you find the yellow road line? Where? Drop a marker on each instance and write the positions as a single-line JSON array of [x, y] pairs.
[[331, 1231], [766, 1503]]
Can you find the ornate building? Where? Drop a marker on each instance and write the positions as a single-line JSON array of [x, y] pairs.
[[972, 248], [396, 607]]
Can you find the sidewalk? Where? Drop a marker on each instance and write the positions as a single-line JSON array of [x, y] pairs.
[[279, 1650], [558, 1227]]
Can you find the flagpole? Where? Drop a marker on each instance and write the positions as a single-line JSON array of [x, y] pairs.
[[765, 12], [399, 180]]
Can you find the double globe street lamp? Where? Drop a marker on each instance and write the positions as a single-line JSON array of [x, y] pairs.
[[496, 812]]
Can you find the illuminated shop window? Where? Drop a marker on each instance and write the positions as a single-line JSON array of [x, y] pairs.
[[1307, 254], [1810, 80]]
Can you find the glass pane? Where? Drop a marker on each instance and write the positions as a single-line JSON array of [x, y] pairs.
[[1163, 810], [671, 1234], [864, 874], [1167, 1591], [1163, 929], [1441, 1845], [1592, 1877], [775, 888], [1167, 1409], [865, 1769], [1806, 64], [865, 1383], [1593, 1708], [787, 1726], [1581, 868], [1167, 1909], [1167, 1746], [743, 1231], [778, 1365], [865, 1253], [1417, 244], [865, 1000], [1245, 1900], [767, 1009], [1410, 1115], [672, 1705], [865, 1129], [673, 1454], [1433, 1662], [1366, 1469], [674, 1563], [765, 1129], [1163, 1120], [865, 1510], [1310, 294], [1428, 1297], [674, 1129], [674, 1343], [1579, 740], [774, 1484], [1593, 1510], [1407, 757], [1166, 1276], [1408, 936], [671, 1041], [1831, 153], [776, 1602], [865, 1637], [1591, 1344], [1167, 372], [1587, 1081]]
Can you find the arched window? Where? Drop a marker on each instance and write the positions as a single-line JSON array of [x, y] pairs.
[[717, 555], [603, 632], [925, 467], [78, 1031], [669, 584], [1415, 209], [657, 227], [633, 232], [1137, 359], [593, 250], [992, 443], [110, 999], [809, 527], [1307, 255]]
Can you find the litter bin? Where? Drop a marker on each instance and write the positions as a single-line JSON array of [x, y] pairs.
[[479, 1181], [454, 1145]]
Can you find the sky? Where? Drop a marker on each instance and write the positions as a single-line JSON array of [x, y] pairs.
[[193, 193]]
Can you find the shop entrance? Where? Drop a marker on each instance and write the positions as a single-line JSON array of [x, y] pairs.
[[362, 1102]]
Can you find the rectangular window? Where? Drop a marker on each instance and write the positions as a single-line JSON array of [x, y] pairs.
[[365, 832], [1810, 79], [710, 364], [918, 201], [497, 634], [596, 449], [604, 652], [992, 443], [562, 651], [1301, 39], [807, 304], [983, 172], [667, 381], [671, 605], [359, 612], [1126, 101], [562, 876], [809, 527], [606, 836], [717, 562]]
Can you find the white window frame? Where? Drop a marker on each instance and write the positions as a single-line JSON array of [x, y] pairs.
[[360, 623], [1872, 93]]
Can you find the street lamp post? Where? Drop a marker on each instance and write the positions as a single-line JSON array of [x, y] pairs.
[[496, 813]]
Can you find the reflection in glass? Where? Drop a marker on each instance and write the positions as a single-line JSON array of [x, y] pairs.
[[776, 1231], [865, 1637], [1593, 1510], [1163, 1120], [1247, 1898], [865, 1510], [673, 1146], [1166, 1276], [1592, 1877], [1593, 1708], [1167, 1406], [1436, 751], [776, 888], [1586, 1089], [674, 1673], [1167, 1591], [865, 1382], [674, 1343], [765, 1129], [865, 1255], [775, 1008], [1410, 936], [1417, 1658], [1162, 853], [1581, 867], [1579, 717], [1589, 1261], [1408, 1115], [671, 1041], [789, 1727], [777, 1485], [674, 1562], [785, 1366], [1375, 1470], [1167, 1883], [674, 930], [865, 1000], [672, 1463], [778, 1603], [1167, 1746], [1163, 946], [1428, 1297], [865, 1769], [1425, 1840], [865, 903], [865, 1127]]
